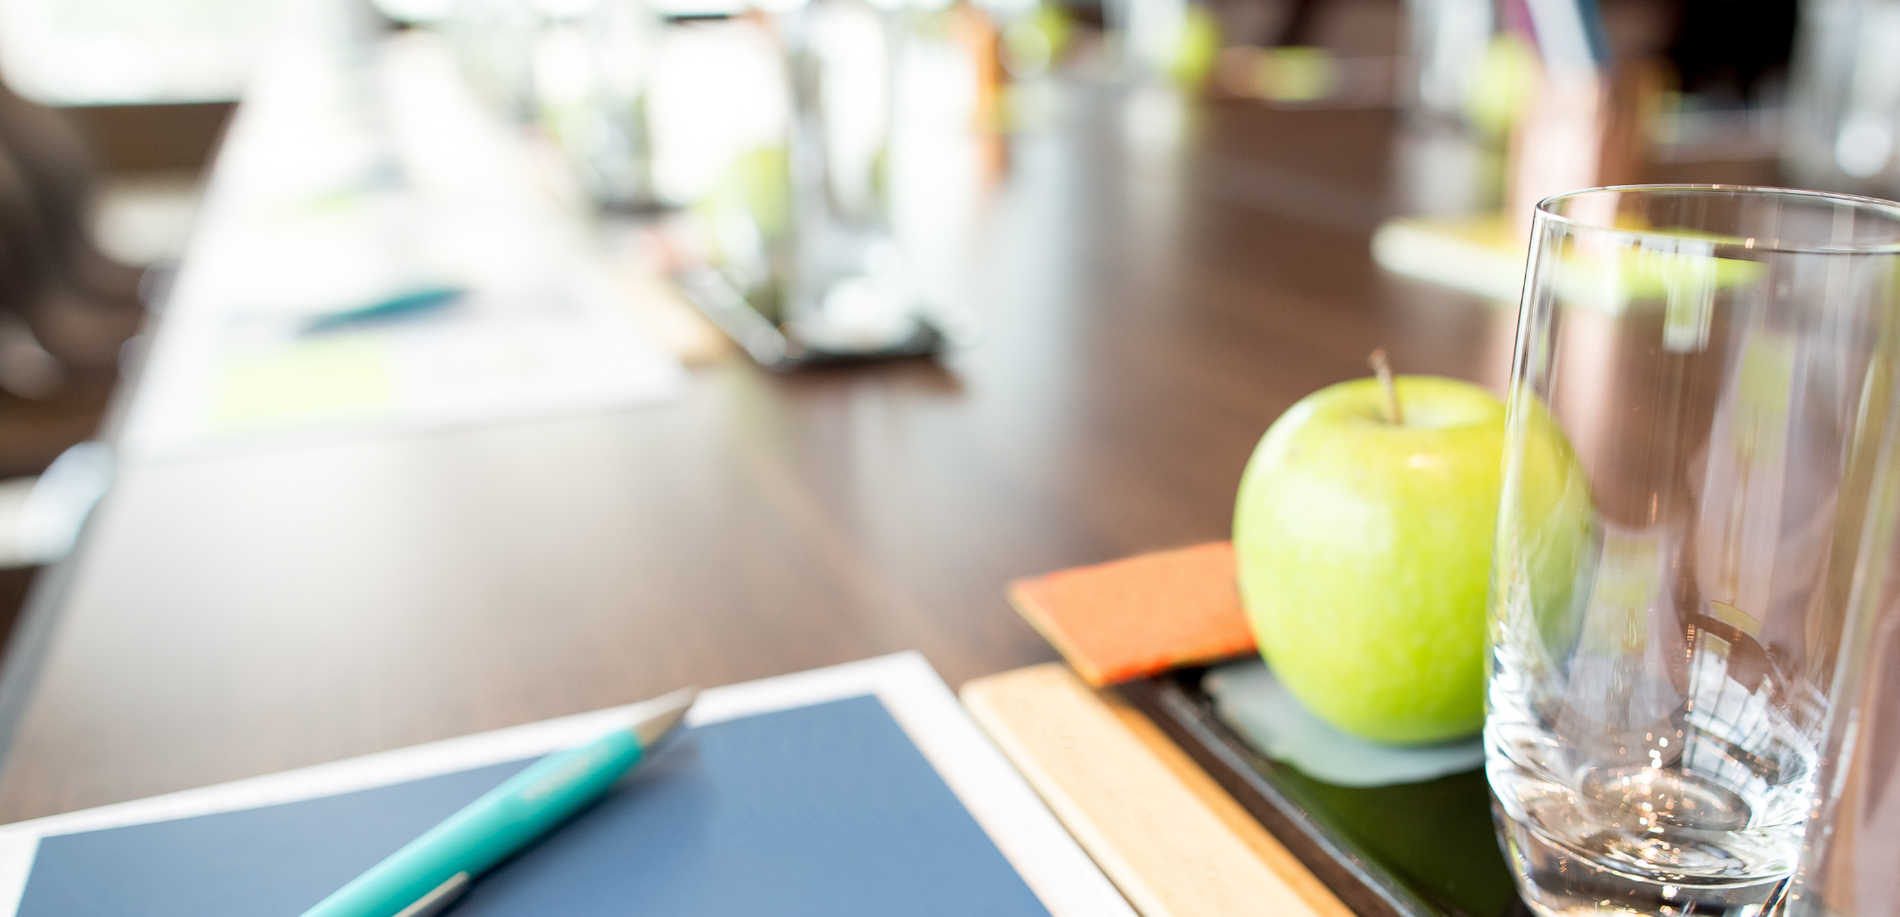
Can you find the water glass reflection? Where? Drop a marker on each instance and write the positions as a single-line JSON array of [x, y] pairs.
[[1702, 406]]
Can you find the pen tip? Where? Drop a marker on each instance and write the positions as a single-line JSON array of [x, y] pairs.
[[672, 709]]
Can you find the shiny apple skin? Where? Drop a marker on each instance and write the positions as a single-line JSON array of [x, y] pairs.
[[1364, 552]]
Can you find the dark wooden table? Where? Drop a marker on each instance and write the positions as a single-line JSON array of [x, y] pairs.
[[1152, 303]]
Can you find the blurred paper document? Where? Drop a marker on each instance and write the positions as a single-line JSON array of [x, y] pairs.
[[351, 175], [254, 380]]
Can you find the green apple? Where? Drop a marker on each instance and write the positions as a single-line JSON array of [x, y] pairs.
[[1364, 550]]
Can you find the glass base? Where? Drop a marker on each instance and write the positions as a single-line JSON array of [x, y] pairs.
[[1558, 880]]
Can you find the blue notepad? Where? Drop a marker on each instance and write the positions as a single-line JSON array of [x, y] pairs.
[[826, 809]]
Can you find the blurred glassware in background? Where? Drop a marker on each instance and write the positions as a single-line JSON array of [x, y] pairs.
[[1039, 45], [1698, 495], [718, 91], [592, 68], [780, 130], [1441, 171], [582, 70], [1159, 42], [1154, 37], [1844, 97], [1032, 39], [1448, 42], [494, 44], [808, 267], [1850, 861], [1149, 34]]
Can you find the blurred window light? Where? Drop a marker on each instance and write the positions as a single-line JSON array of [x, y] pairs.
[[91, 52]]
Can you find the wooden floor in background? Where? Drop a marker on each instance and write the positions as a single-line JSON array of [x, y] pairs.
[[34, 432]]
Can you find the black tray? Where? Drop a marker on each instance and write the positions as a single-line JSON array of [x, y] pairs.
[[1415, 850]]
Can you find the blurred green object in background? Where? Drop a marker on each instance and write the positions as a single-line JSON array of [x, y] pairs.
[[1200, 48], [1503, 86]]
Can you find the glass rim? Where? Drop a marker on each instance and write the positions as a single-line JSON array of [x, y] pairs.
[[1888, 209]]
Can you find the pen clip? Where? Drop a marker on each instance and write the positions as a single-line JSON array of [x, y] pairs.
[[435, 902]]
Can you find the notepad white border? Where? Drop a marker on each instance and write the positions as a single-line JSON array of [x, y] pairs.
[[1051, 863]]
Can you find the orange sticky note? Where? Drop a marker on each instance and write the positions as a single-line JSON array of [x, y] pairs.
[[1136, 617]]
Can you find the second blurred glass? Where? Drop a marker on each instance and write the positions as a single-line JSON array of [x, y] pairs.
[[1844, 97], [1702, 408]]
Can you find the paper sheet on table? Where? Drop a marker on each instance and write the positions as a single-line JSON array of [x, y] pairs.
[[232, 379], [348, 178]]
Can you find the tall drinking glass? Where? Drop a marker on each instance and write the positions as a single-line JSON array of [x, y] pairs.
[[1850, 863], [1701, 411]]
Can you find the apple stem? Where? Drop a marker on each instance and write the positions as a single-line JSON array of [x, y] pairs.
[[1383, 369]]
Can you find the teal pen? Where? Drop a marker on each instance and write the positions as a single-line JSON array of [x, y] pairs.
[[418, 300], [428, 874]]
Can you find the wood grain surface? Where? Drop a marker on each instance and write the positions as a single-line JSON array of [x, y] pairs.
[[1171, 840], [1154, 298]]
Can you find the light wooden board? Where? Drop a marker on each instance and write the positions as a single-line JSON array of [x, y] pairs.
[[1171, 839]]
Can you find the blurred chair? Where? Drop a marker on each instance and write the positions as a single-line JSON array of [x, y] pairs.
[[66, 311], [78, 304]]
